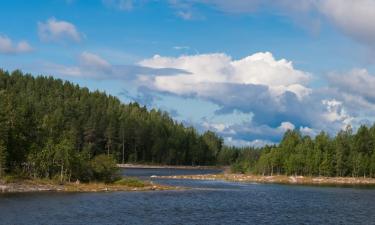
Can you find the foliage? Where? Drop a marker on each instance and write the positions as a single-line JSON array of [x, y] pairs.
[[130, 182], [104, 168], [347, 154], [51, 128]]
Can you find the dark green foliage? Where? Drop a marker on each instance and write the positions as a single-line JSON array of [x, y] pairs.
[[130, 182], [52, 128], [3, 155], [55, 129], [104, 168], [345, 155]]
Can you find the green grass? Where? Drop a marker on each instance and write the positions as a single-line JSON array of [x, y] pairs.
[[130, 182]]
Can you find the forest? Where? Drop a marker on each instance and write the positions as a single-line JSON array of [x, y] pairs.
[[344, 155], [50, 128]]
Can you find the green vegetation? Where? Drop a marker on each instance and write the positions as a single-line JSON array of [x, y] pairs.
[[347, 154], [54, 129], [130, 182]]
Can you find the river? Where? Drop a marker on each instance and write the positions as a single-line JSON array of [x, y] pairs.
[[207, 202]]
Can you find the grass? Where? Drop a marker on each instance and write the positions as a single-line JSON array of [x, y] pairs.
[[130, 182]]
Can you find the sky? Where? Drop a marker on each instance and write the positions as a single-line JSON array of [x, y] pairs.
[[246, 69]]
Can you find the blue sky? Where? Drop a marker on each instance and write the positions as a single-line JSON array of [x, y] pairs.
[[247, 69]]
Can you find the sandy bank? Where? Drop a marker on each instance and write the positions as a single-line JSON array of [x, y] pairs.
[[145, 166], [279, 179]]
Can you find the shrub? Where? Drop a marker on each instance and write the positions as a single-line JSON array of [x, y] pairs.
[[104, 168]]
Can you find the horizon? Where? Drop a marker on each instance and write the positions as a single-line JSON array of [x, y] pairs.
[[249, 70]]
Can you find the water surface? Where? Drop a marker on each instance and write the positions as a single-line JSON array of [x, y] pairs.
[[208, 202]]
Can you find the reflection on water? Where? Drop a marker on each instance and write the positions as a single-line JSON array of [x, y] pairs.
[[209, 202]]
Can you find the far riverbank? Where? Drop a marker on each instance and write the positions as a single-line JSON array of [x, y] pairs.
[[150, 166], [280, 179]]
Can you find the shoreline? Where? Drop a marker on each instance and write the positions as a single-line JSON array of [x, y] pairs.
[[30, 186], [280, 179], [150, 166]]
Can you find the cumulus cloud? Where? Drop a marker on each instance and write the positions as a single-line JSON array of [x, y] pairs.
[[271, 89], [336, 112], [58, 30], [258, 69], [276, 94], [7, 46]]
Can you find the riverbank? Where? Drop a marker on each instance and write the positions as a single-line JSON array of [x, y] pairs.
[[150, 166], [39, 185], [280, 179]]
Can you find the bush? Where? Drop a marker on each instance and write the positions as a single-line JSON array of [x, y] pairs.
[[130, 182], [240, 167], [104, 168]]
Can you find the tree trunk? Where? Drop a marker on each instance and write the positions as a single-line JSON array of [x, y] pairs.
[[61, 172], [123, 148]]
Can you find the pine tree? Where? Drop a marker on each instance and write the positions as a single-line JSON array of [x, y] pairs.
[[3, 157]]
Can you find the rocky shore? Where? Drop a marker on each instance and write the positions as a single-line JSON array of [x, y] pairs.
[[51, 186], [280, 179]]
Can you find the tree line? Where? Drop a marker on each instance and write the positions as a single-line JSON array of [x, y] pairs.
[[53, 128], [346, 154], [50, 127]]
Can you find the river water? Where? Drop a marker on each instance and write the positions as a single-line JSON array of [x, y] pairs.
[[207, 202]]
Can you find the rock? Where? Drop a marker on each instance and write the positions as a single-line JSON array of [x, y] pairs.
[[3, 188], [293, 179]]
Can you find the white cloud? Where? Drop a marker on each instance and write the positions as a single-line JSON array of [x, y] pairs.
[[285, 126], [308, 131], [243, 143], [275, 93], [258, 69], [7, 46], [336, 112], [58, 30]]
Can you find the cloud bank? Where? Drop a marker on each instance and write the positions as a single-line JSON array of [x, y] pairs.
[[273, 91], [352, 17]]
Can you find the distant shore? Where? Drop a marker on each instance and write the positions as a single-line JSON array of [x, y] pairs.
[[150, 166], [25, 186], [281, 179]]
